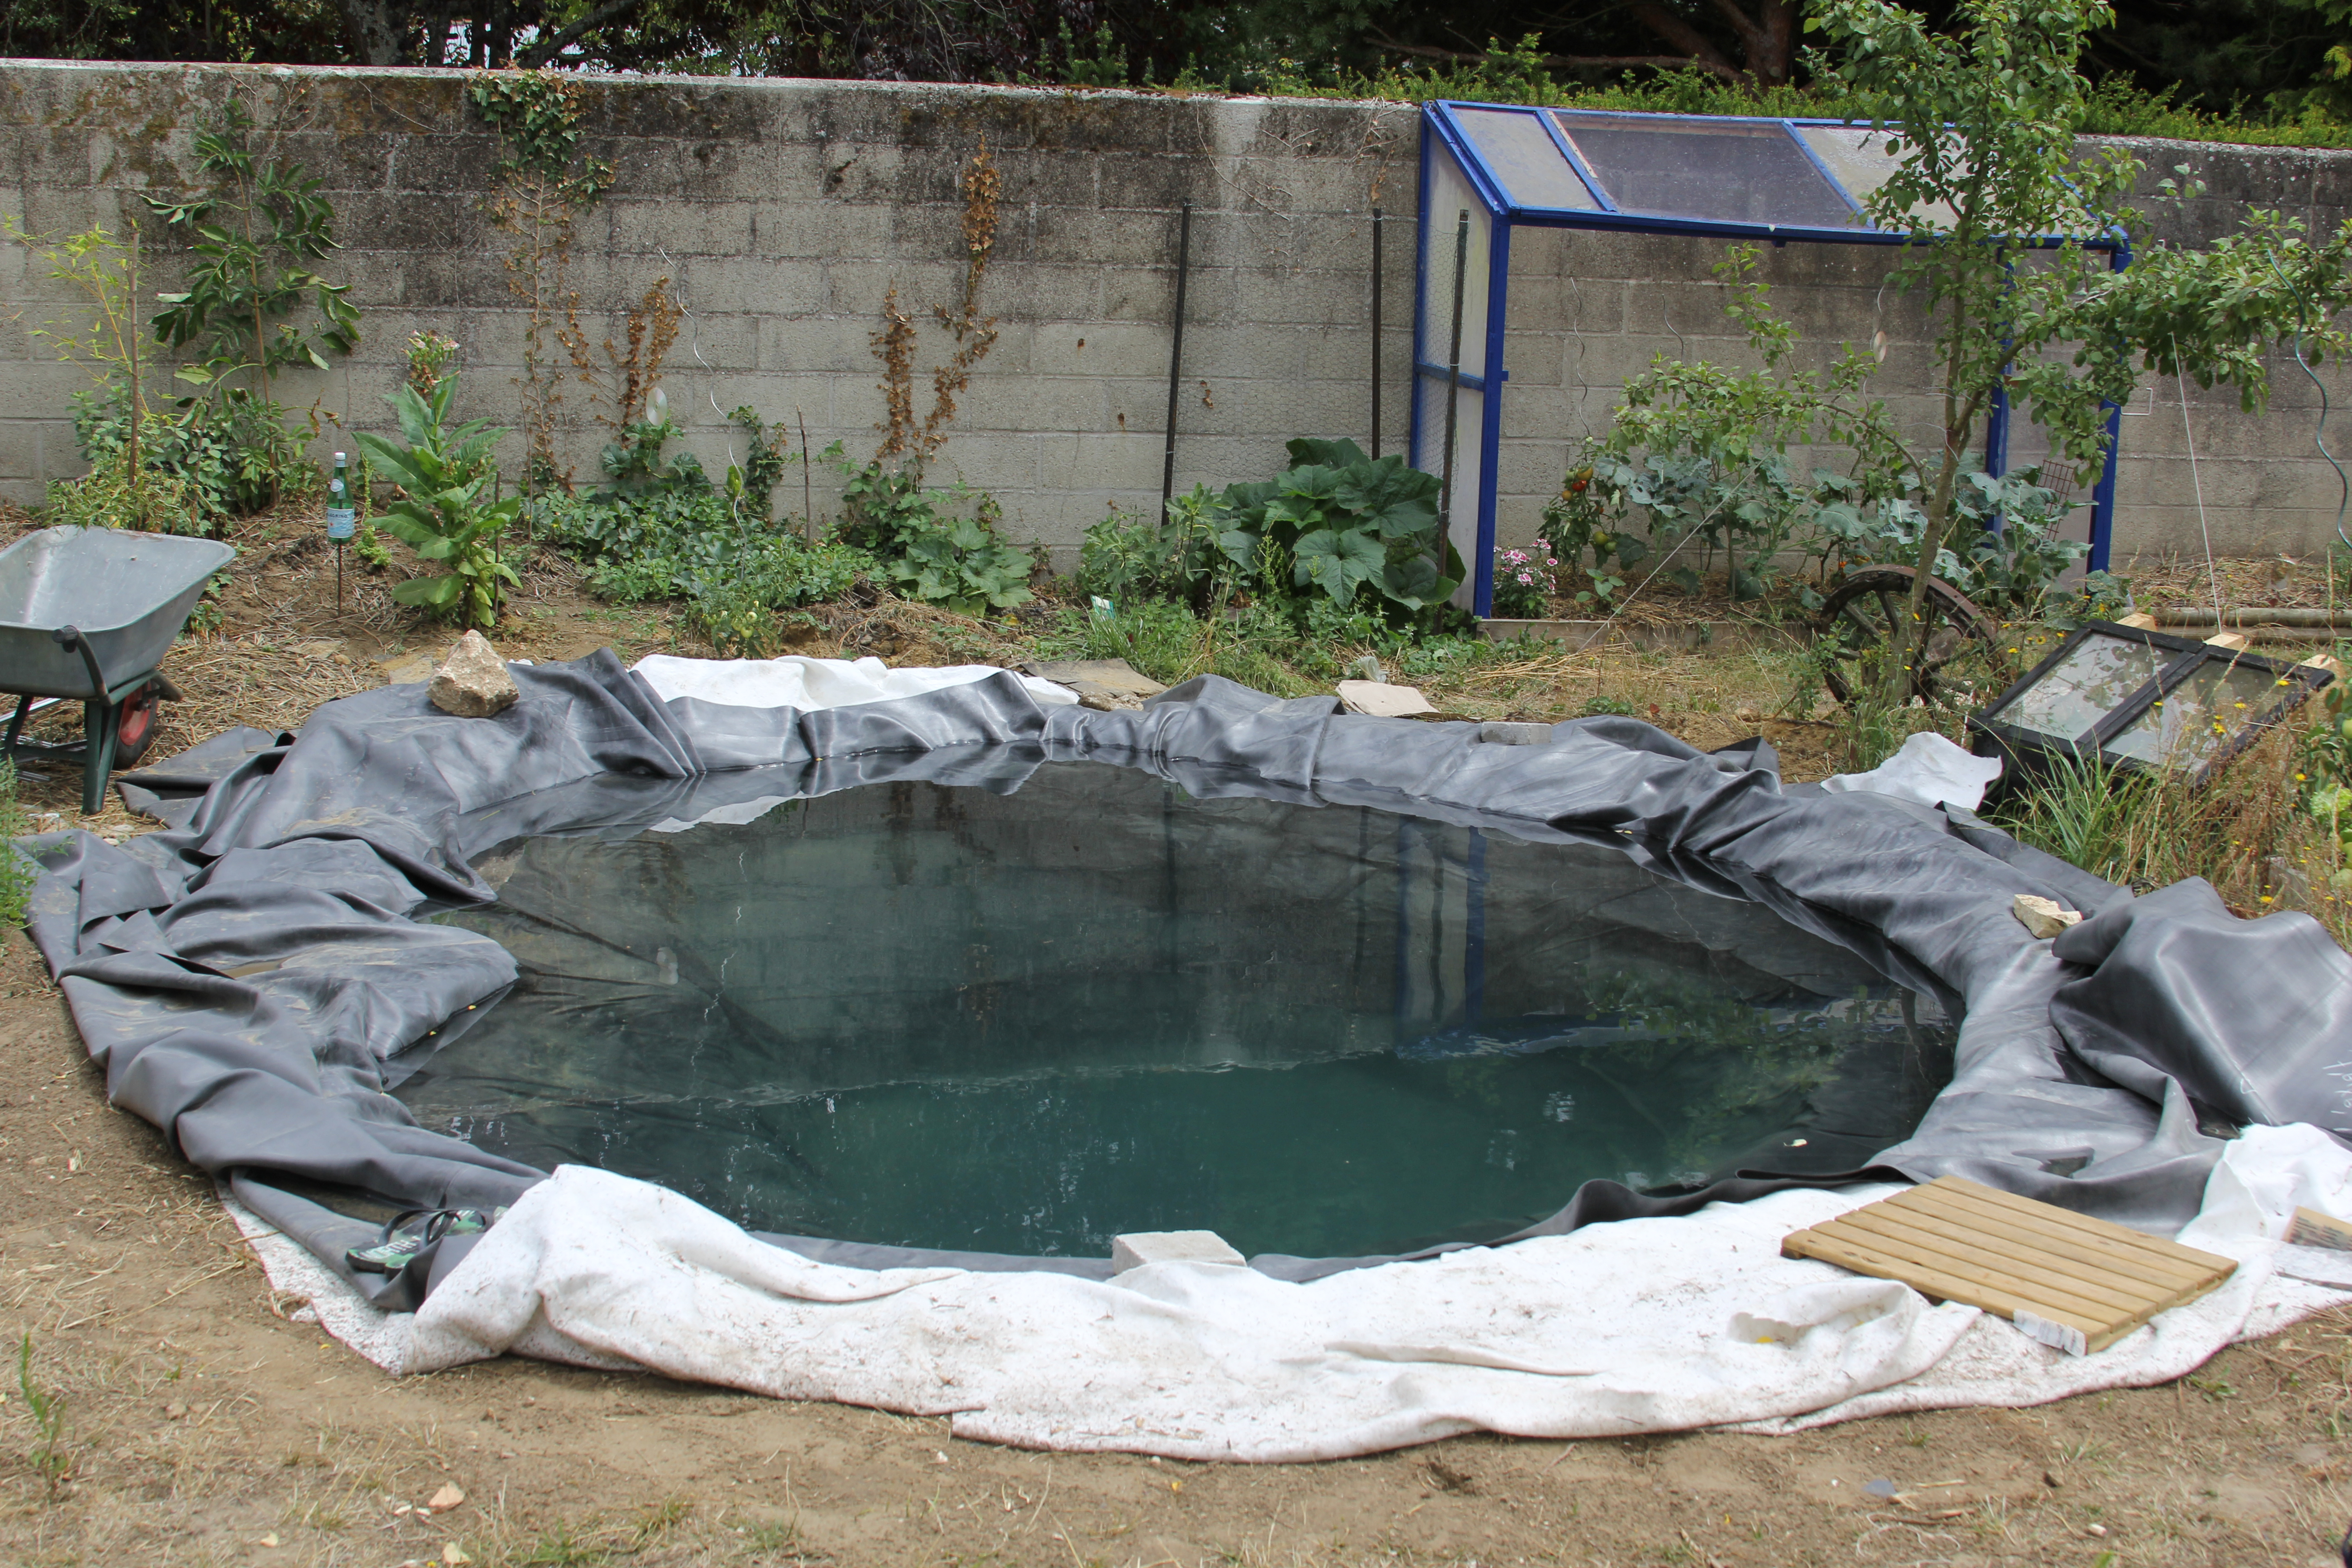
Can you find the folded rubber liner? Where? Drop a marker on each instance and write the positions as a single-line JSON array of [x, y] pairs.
[[249, 977]]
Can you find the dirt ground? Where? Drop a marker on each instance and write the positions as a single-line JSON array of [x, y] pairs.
[[194, 1422]]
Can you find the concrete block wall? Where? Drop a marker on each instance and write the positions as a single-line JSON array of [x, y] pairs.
[[782, 212]]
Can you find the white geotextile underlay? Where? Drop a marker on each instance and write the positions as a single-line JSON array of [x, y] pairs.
[[1637, 1326], [809, 684], [1928, 769]]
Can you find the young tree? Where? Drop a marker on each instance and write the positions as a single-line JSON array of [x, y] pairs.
[[1978, 124]]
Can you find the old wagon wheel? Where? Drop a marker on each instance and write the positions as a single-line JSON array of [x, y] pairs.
[[1855, 619]]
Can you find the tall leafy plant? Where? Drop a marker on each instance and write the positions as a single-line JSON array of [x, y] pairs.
[[443, 470], [1341, 524], [252, 305], [1704, 453], [254, 234]]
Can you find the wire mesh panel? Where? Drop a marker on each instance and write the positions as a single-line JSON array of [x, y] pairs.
[[1525, 158], [1862, 159], [1738, 171], [1450, 252]]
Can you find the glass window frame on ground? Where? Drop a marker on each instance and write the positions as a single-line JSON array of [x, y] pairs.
[[2033, 752]]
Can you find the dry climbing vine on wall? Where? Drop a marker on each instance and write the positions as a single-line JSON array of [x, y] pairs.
[[631, 371], [974, 335], [894, 345], [545, 182]]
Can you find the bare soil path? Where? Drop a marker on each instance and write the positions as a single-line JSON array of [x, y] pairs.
[[199, 1424]]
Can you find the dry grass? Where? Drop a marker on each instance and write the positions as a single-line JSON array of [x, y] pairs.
[[2246, 832], [2172, 577]]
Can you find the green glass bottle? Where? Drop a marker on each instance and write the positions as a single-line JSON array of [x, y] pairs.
[[342, 522]]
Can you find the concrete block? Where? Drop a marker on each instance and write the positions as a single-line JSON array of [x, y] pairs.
[[993, 461], [818, 230], [40, 390], [445, 164], [1140, 1247], [383, 225], [681, 228], [1100, 464], [858, 286], [1125, 237], [1227, 351], [1043, 403], [759, 286], [1342, 355], [805, 344], [1100, 349]]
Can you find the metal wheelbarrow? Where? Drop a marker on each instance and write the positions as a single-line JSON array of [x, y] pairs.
[[88, 613]]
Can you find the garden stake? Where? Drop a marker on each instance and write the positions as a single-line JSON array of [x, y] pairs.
[[1454, 370], [1176, 354], [1376, 332], [808, 506]]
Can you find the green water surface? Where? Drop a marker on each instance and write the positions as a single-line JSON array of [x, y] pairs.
[[1027, 1022]]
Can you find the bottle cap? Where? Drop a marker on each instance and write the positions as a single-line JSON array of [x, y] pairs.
[[339, 456]]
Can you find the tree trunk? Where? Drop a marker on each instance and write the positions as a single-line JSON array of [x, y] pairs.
[[376, 30], [1768, 39]]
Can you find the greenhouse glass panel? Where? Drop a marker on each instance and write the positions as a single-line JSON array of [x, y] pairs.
[[1858, 158], [1461, 517], [1447, 195], [1737, 171], [1522, 154]]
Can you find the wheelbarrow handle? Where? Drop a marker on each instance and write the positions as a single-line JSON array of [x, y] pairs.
[[70, 636]]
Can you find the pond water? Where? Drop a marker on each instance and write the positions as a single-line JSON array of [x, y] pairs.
[[1028, 1021]]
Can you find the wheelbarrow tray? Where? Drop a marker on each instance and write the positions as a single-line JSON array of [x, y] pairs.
[[130, 593]]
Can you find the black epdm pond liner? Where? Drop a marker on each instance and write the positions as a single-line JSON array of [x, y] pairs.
[[248, 977]]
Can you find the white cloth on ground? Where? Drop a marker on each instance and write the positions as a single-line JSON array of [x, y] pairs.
[[1637, 1326], [808, 684], [1930, 770]]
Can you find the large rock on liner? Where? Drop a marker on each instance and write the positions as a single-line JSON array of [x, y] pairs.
[[473, 682], [2046, 918]]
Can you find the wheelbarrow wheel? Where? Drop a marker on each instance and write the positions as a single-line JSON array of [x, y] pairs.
[[134, 724], [1953, 637]]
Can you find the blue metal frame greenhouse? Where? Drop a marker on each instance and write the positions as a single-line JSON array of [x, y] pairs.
[[1781, 181]]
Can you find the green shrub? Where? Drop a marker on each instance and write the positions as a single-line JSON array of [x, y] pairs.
[[1126, 556], [1701, 454], [1359, 530], [928, 549], [1345, 548], [231, 453], [443, 518], [736, 575], [17, 871], [161, 502]]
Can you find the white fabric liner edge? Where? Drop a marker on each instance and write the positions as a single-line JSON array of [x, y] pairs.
[[1637, 1326]]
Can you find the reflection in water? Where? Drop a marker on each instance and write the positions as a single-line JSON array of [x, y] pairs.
[[1028, 1022]]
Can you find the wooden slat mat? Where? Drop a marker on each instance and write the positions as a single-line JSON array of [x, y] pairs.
[[2074, 1282]]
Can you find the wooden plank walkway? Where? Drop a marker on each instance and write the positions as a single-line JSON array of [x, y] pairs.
[[2066, 1278]]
